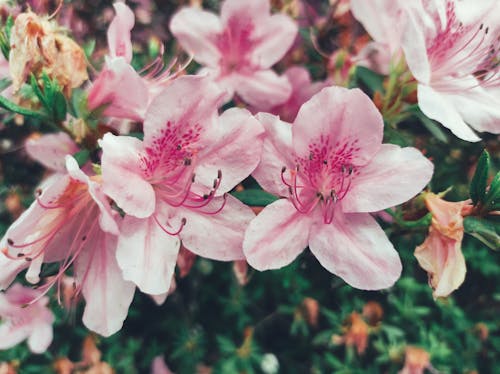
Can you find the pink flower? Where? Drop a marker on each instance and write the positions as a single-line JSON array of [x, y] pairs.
[[333, 170], [384, 30], [124, 91], [158, 366], [239, 47], [172, 186], [20, 321], [441, 253], [452, 50], [50, 150], [302, 90], [71, 223]]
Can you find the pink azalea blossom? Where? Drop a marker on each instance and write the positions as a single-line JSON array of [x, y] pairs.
[[302, 90], [158, 366], [384, 28], [239, 47], [20, 320], [51, 149], [172, 186], [71, 223], [332, 168], [452, 50], [124, 91]]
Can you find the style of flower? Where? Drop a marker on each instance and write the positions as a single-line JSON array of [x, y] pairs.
[[20, 320], [239, 47], [454, 58], [172, 186], [441, 252], [71, 223], [333, 170], [122, 90]]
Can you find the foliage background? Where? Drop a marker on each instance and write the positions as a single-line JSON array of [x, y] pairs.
[[211, 321]]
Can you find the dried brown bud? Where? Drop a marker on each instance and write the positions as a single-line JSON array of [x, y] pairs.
[[36, 45], [311, 309], [373, 313]]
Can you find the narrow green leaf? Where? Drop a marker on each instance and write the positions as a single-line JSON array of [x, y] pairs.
[[10, 106], [255, 197], [492, 199], [485, 230], [370, 79], [60, 107], [478, 185], [82, 156], [433, 127]]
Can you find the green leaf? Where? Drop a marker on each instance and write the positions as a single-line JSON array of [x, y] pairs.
[[478, 185], [369, 78], [82, 156], [255, 197], [492, 199], [10, 106], [60, 106], [485, 230]]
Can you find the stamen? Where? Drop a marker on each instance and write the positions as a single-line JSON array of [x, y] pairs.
[[172, 233]]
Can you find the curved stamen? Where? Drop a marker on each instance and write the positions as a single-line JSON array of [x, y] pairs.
[[172, 233], [221, 207]]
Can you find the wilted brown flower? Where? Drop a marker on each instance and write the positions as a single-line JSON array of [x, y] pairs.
[[373, 312], [416, 361], [37, 45], [311, 309], [356, 333]]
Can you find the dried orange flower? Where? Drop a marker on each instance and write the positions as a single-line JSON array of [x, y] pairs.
[[416, 361], [441, 253], [36, 45]]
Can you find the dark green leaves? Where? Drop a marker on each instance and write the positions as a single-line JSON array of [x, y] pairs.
[[485, 230], [478, 184], [255, 197], [5, 37], [50, 95]]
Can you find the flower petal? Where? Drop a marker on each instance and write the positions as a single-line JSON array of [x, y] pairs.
[[122, 89], [229, 224], [355, 248], [119, 38], [122, 175], [229, 150], [440, 108], [197, 31], [107, 295], [254, 10], [40, 338], [394, 176], [146, 254], [50, 150], [275, 37], [276, 236], [276, 152], [263, 89], [336, 117], [188, 102]]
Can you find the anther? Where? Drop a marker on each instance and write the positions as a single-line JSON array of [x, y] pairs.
[[187, 161], [10, 241], [84, 237], [28, 259], [193, 178], [179, 147], [219, 174], [38, 191], [20, 255], [183, 221], [283, 169]]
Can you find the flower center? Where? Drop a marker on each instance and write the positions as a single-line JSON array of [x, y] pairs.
[[323, 178]]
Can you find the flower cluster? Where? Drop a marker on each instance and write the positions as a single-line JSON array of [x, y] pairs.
[[145, 163]]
